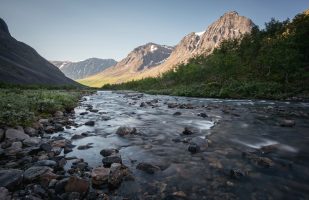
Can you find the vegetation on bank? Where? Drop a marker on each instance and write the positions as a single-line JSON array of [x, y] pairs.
[[272, 63], [23, 106]]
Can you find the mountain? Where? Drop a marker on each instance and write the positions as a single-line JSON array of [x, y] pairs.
[[230, 25], [83, 69], [21, 64], [137, 61]]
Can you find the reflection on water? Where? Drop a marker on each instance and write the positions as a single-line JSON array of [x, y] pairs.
[[233, 127]]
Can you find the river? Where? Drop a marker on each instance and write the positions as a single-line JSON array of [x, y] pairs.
[[250, 153]]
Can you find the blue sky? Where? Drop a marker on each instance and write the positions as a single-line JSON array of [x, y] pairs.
[[78, 29]]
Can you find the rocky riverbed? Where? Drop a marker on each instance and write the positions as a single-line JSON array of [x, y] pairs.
[[126, 145]]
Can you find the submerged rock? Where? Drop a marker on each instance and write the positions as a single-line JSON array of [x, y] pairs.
[[123, 131], [10, 178], [84, 147], [108, 152], [148, 168]]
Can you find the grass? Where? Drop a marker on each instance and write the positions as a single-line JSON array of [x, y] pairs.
[[24, 106]]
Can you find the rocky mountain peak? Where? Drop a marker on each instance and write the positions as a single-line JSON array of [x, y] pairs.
[[4, 27]]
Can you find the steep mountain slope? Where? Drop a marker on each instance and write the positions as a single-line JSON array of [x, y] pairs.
[[230, 25], [21, 64], [85, 68], [140, 59]]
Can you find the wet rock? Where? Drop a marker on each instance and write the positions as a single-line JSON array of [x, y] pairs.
[[43, 121], [4, 194], [177, 113], [56, 150], [100, 175], [48, 163], [33, 141], [108, 152], [148, 168], [59, 143], [269, 148], [264, 162], [143, 104], [76, 184], [287, 123], [58, 127], [16, 134], [15, 148], [90, 123], [187, 131], [67, 150], [204, 115], [46, 147], [36, 172], [58, 114], [109, 160], [117, 173], [49, 129], [83, 113], [123, 131], [94, 110], [193, 148], [10, 178], [237, 173], [60, 185], [76, 137], [84, 147], [172, 105], [180, 194]]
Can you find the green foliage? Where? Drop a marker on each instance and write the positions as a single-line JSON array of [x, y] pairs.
[[272, 63], [20, 107]]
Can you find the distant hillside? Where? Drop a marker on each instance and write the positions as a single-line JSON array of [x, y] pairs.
[[272, 63], [83, 69], [21, 64]]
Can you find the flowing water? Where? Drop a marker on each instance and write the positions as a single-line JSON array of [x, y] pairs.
[[223, 171]]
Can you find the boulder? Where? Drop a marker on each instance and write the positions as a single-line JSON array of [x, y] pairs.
[[76, 184], [46, 147], [84, 147], [15, 134], [59, 143], [15, 148], [148, 168], [49, 129], [117, 174], [58, 114], [48, 163], [33, 141], [10, 178], [108, 152], [287, 123], [177, 113], [90, 123], [31, 131], [123, 131], [36, 172], [100, 175], [109, 160], [4, 194], [187, 131]]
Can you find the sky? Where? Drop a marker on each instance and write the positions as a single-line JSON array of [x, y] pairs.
[[75, 30]]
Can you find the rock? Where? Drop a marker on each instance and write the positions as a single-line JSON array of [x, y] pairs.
[[287, 123], [193, 148], [117, 173], [143, 104], [67, 150], [177, 113], [200, 143], [76, 184], [90, 123], [108, 152], [59, 143], [84, 147], [94, 110], [33, 141], [58, 127], [10, 178], [48, 163], [265, 162], [31, 131], [4, 194], [46, 147], [58, 114], [237, 173], [60, 185], [1, 135], [76, 137], [123, 131], [172, 105], [148, 168], [269, 148], [83, 113], [187, 131], [180, 194], [14, 134], [36, 172], [56, 150], [100, 175], [49, 129], [109, 160], [43, 121], [204, 115], [15, 148]]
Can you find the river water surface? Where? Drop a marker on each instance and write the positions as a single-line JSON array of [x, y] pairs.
[[249, 156]]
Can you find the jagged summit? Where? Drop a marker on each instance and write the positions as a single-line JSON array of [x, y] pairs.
[[4, 27]]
